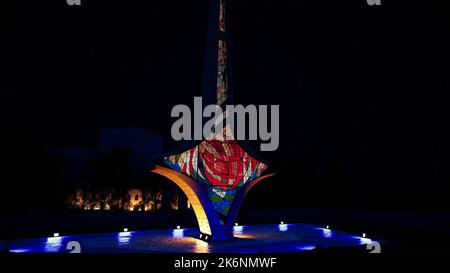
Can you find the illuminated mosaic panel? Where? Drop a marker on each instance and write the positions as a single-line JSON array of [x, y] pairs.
[[222, 79], [221, 166]]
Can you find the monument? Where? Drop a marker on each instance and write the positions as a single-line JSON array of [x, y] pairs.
[[216, 173]]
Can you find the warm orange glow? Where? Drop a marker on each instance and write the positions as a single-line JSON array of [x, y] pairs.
[[244, 236], [135, 197], [186, 185], [199, 245]]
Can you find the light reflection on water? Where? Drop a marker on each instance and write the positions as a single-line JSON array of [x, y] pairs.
[[238, 229], [248, 239], [19, 250], [306, 247], [201, 246], [53, 244], [178, 233], [283, 227], [123, 238], [361, 240], [326, 233]]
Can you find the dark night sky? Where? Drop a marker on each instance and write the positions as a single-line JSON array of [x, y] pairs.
[[360, 87]]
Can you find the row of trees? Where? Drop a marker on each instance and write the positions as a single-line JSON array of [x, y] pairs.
[[115, 200], [34, 179]]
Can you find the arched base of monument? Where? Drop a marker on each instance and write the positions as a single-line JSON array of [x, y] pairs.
[[210, 226]]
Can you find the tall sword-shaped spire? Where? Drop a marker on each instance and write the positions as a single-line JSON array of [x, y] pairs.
[[217, 173], [222, 73]]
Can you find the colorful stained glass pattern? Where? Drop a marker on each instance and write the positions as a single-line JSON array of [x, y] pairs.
[[222, 79], [222, 166]]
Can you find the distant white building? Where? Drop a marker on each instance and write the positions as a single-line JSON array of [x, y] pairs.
[[142, 145]]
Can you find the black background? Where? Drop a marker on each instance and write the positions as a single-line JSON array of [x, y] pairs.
[[363, 90]]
